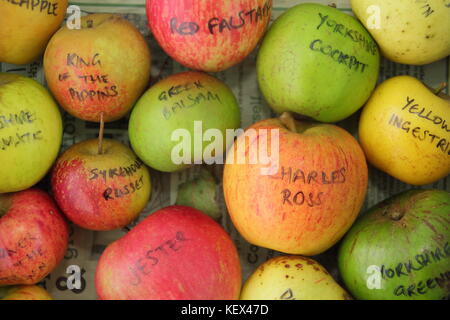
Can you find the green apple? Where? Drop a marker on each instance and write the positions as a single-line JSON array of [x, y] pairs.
[[318, 62], [30, 132], [408, 32], [400, 249], [170, 125]]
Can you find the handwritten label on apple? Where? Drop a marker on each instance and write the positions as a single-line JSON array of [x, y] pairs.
[[41, 6], [22, 136]]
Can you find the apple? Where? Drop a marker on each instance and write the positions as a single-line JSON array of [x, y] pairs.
[[400, 248], [24, 293], [103, 190], [208, 35], [33, 237], [292, 278], [30, 132], [318, 62], [311, 196], [407, 32], [176, 253], [26, 27], [404, 131], [101, 68], [168, 123]]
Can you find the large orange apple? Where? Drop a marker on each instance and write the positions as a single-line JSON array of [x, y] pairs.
[[208, 35], [311, 198], [101, 68]]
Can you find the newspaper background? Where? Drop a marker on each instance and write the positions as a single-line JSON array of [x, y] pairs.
[[86, 246]]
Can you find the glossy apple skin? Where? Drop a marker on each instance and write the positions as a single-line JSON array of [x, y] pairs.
[[176, 102], [301, 64], [24, 293], [285, 212], [420, 237], [100, 192], [33, 237], [111, 50], [403, 130], [30, 145], [177, 253], [24, 33], [208, 49]]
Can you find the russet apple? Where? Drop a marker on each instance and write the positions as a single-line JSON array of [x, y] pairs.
[[100, 191], [26, 26], [208, 35], [404, 130], [30, 132], [310, 200], [318, 62], [33, 237], [175, 253], [408, 32], [101, 68], [400, 249], [292, 278], [168, 125], [24, 293]]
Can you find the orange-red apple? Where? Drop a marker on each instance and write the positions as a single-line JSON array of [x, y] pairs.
[[24, 293], [311, 198], [101, 68]]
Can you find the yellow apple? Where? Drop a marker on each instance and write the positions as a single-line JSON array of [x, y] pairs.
[[292, 278], [30, 132], [408, 32], [405, 131], [24, 293], [103, 67], [26, 27]]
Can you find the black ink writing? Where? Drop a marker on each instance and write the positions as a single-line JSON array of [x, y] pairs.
[[42, 6], [110, 173], [114, 193]]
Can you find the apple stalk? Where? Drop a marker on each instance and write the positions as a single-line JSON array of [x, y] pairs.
[[100, 134]]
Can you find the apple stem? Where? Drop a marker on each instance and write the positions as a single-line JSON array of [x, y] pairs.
[[288, 121], [100, 134], [396, 215], [441, 87]]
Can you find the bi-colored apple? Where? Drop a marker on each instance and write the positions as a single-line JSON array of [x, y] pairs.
[[313, 193], [30, 132], [208, 35], [318, 62], [100, 189], [292, 278], [33, 237], [408, 32], [27, 26], [24, 293], [101, 68], [404, 130], [400, 249], [177, 253], [170, 125]]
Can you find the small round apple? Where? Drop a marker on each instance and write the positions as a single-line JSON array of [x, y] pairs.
[[101, 68], [318, 62], [24, 293], [312, 193], [169, 125], [404, 131], [208, 35], [26, 27], [176, 253], [100, 191], [30, 132], [33, 237]]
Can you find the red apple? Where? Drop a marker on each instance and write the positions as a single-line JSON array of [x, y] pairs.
[[313, 195], [100, 191], [101, 68], [208, 35], [33, 237], [176, 253]]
